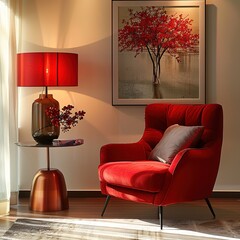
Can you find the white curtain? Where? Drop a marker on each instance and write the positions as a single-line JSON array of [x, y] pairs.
[[8, 119]]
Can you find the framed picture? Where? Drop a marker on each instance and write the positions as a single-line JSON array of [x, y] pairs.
[[158, 52]]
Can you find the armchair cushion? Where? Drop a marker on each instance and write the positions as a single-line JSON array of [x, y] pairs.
[[145, 175], [175, 139]]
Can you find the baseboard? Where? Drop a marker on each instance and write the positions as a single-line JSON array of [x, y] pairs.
[[96, 194], [71, 194], [219, 194]]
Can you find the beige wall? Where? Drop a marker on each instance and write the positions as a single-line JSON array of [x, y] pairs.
[[84, 27]]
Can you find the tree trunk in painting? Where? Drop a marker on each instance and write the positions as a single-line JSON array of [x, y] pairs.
[[157, 91], [156, 70]]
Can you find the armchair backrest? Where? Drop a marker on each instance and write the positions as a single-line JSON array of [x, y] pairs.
[[158, 117]]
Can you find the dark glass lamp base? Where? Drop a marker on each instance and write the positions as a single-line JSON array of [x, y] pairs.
[[43, 131], [45, 139]]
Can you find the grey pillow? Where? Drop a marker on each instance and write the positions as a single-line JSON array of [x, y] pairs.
[[175, 139]]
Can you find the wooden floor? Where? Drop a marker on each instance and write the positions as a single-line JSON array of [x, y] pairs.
[[225, 209]]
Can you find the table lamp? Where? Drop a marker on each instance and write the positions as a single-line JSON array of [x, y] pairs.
[[46, 69]]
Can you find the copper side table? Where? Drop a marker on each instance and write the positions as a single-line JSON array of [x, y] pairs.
[[48, 191]]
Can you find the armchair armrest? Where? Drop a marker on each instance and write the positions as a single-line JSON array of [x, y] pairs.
[[195, 159], [194, 172], [122, 152]]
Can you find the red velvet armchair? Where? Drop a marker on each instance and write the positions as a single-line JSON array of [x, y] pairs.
[[126, 172]]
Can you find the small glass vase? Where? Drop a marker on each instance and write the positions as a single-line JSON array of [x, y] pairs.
[[43, 131]]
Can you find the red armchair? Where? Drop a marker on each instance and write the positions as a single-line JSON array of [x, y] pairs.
[[126, 172]]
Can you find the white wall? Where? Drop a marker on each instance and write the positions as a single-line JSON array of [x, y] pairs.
[[223, 75], [84, 27]]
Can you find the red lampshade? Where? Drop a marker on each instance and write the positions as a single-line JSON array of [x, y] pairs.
[[47, 69]]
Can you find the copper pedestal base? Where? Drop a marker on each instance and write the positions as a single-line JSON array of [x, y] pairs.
[[49, 191]]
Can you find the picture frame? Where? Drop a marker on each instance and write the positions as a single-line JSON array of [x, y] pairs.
[[158, 52]]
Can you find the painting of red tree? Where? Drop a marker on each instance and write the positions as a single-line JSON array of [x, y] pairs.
[[158, 52], [153, 30]]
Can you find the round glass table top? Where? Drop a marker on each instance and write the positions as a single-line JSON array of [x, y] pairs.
[[55, 143]]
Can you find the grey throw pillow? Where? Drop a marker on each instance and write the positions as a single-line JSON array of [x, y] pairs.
[[175, 139]]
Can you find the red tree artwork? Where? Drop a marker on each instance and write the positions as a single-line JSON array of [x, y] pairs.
[[151, 29]]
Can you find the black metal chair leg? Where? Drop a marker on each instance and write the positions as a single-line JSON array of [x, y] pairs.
[[210, 207], [105, 205], [160, 213]]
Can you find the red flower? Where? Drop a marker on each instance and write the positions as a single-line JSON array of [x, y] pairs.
[[65, 117]]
